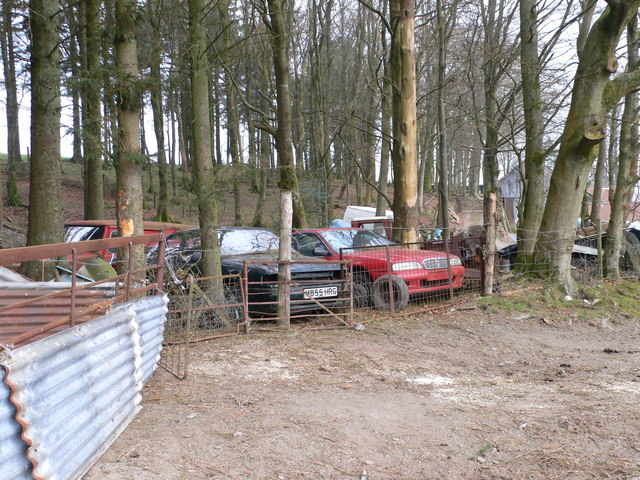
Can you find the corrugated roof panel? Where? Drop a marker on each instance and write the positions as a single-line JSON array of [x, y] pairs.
[[151, 314], [21, 319], [77, 390], [13, 450]]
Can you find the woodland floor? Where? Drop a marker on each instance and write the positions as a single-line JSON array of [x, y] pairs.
[[444, 394]]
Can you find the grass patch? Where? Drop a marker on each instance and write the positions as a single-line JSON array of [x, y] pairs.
[[509, 304], [481, 452]]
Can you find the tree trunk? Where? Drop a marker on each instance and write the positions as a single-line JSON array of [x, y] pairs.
[[627, 164], [443, 167], [45, 189], [490, 163], [109, 113], [534, 158], [73, 85], [92, 120], [203, 165], [265, 153], [598, 178], [13, 132], [233, 122], [385, 126], [162, 212], [288, 177], [593, 95], [404, 155], [284, 255], [129, 169]]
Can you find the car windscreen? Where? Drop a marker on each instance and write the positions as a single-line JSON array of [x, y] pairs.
[[80, 233], [241, 241], [354, 237]]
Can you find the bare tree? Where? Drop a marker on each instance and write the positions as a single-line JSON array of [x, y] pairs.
[[594, 94], [9, 62], [405, 142], [627, 164], [45, 187], [203, 165], [129, 201]]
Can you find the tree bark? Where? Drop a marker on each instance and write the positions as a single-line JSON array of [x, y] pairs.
[[404, 154], [45, 188], [288, 177], [129, 201], [443, 166], [490, 161], [534, 158], [203, 165], [92, 119], [162, 212], [385, 125], [627, 177], [233, 122], [13, 132]]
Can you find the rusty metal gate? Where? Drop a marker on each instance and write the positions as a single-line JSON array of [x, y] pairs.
[[201, 309]]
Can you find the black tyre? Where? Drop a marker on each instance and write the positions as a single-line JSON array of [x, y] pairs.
[[390, 288], [361, 290]]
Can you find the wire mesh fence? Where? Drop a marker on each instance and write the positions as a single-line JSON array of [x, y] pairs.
[[393, 277]]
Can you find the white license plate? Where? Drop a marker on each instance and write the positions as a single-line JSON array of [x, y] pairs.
[[320, 292]]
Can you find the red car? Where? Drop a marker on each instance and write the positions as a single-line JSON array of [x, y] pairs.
[[410, 271], [82, 230]]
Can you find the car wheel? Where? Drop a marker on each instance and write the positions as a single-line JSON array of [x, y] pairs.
[[361, 290], [390, 288]]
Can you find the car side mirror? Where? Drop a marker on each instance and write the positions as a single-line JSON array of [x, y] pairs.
[[321, 252]]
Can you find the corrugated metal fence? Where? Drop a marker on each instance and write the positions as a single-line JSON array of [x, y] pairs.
[[66, 398]]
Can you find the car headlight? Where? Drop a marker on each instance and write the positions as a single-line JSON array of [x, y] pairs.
[[402, 266], [455, 261]]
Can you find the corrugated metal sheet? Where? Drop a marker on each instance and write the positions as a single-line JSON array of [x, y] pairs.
[[24, 318], [76, 391], [151, 314], [14, 464]]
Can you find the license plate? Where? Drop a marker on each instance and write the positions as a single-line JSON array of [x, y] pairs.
[[320, 292]]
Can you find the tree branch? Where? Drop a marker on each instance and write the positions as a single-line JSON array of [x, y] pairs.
[[620, 86], [377, 12], [364, 176]]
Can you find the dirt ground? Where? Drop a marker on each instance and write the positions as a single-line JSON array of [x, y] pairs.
[[462, 392]]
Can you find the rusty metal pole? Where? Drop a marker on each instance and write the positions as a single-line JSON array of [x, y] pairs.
[[129, 269], [160, 271], [244, 287], [351, 293], [450, 272], [74, 265], [188, 331]]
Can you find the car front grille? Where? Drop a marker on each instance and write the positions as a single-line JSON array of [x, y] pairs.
[[435, 263]]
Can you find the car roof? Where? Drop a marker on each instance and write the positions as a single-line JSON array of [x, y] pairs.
[[304, 230], [228, 229], [149, 224]]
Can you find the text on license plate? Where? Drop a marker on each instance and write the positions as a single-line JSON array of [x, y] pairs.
[[320, 292]]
